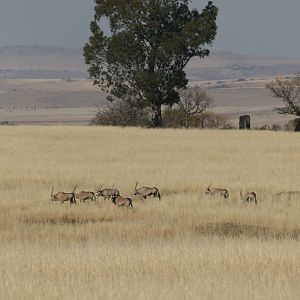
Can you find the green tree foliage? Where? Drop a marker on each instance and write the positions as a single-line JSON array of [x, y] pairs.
[[150, 43]]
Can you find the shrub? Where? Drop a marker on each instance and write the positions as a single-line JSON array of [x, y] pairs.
[[273, 127], [193, 102], [175, 118], [211, 119], [122, 113]]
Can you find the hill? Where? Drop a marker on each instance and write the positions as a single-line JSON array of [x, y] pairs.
[[36, 62], [228, 65]]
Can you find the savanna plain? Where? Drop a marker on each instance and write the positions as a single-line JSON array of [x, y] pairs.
[[188, 245]]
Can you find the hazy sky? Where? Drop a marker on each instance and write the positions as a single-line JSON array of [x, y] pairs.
[[268, 27]]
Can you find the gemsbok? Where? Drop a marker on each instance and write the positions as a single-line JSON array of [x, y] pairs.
[[62, 196], [84, 196], [106, 193], [248, 197], [145, 191], [217, 192], [122, 202]]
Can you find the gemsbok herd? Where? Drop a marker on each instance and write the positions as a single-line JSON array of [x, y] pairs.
[[143, 192]]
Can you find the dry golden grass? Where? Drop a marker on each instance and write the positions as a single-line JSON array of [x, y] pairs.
[[186, 246]]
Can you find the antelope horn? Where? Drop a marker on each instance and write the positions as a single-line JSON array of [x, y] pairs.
[[75, 188], [136, 185]]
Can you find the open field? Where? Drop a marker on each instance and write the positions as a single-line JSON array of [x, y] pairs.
[[56, 101], [48, 101], [186, 246]]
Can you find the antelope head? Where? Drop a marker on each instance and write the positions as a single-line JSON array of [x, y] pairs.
[[98, 191]]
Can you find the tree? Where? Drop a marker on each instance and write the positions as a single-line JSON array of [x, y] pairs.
[[150, 44], [288, 90], [193, 102]]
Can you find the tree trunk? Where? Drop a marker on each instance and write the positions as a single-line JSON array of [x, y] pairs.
[[187, 121], [156, 120]]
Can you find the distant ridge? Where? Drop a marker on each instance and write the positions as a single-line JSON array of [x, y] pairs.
[[38, 50], [41, 62], [17, 62], [228, 65]]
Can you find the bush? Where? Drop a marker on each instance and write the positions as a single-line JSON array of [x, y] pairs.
[[211, 119], [7, 123], [273, 127], [122, 113], [293, 125], [174, 118], [193, 102]]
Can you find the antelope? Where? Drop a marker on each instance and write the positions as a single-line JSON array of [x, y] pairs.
[[121, 201], [217, 192], [248, 197], [106, 193], [83, 196], [144, 192], [62, 196]]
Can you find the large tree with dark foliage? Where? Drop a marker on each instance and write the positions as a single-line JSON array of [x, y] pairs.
[[148, 48]]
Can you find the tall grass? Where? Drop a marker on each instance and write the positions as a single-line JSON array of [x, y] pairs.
[[186, 246]]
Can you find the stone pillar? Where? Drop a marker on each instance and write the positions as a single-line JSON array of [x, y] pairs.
[[244, 122]]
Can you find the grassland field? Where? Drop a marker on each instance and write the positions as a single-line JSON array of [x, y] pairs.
[[186, 246]]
